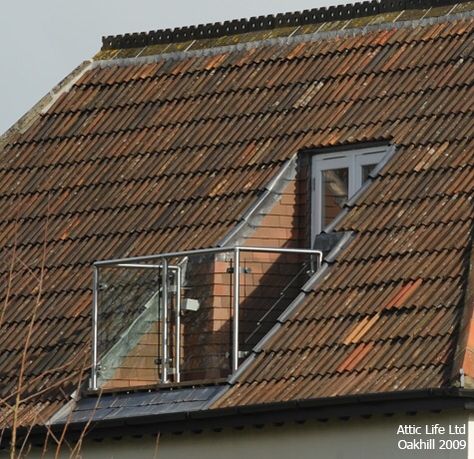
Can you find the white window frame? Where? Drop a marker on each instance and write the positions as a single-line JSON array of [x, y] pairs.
[[353, 160]]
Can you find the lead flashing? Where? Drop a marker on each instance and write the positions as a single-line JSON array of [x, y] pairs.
[[251, 219]]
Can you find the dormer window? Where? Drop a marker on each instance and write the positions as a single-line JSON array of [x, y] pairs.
[[336, 177]]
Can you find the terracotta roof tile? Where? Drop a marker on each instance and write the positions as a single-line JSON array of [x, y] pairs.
[[138, 158], [391, 303]]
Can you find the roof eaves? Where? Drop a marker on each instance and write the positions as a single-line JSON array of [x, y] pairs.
[[261, 414]]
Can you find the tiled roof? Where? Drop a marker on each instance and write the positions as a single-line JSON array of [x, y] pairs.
[[386, 314], [272, 22], [211, 36], [139, 157]]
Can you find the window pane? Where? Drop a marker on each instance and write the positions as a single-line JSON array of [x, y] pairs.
[[335, 191], [366, 170]]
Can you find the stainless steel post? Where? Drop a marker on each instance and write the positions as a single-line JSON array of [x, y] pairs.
[[164, 322], [235, 323], [178, 325], [95, 316], [311, 264]]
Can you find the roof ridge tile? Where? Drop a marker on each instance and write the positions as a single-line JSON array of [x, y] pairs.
[[262, 23]]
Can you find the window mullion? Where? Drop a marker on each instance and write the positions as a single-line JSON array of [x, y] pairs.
[[353, 176]]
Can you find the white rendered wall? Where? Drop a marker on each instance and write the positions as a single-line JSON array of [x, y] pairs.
[[471, 436], [353, 439]]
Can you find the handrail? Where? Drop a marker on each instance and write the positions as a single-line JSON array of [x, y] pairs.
[[134, 262], [187, 253]]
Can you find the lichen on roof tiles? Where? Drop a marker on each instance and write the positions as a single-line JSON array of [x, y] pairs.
[[97, 173], [334, 18]]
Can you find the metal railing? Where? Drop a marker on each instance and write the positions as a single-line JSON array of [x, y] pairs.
[[161, 263]]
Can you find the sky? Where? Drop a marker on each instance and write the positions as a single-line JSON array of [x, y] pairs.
[[43, 41]]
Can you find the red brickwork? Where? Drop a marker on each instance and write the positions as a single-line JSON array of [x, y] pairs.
[[206, 333]]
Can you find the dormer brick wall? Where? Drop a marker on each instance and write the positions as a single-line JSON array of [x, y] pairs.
[[206, 333]]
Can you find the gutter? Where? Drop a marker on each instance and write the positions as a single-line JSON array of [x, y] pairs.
[[318, 409]]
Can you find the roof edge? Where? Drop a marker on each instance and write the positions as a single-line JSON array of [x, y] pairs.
[[262, 23], [257, 415], [463, 362], [21, 126]]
